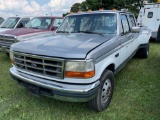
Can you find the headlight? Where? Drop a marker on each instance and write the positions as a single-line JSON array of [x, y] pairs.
[[79, 69], [11, 57]]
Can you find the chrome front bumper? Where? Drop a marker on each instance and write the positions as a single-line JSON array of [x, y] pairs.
[[4, 49], [60, 91]]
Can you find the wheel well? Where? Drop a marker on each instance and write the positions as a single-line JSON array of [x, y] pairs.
[[111, 67]]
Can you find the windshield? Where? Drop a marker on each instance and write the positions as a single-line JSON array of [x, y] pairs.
[[102, 23], [10, 22], [39, 23], [1, 20]]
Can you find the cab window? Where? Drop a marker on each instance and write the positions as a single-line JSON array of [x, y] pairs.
[[150, 14], [40, 23], [133, 23], [23, 22], [57, 22], [125, 24]]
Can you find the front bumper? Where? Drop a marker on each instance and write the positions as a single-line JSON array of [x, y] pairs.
[[5, 49], [57, 90]]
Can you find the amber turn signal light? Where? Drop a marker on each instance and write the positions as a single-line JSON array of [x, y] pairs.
[[12, 61], [11, 57], [71, 74]]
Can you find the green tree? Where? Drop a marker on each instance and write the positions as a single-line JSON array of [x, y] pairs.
[[85, 6], [108, 4], [76, 7], [132, 5], [152, 0], [93, 4], [65, 14]]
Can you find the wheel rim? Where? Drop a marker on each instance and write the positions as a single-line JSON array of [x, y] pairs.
[[147, 52], [106, 90]]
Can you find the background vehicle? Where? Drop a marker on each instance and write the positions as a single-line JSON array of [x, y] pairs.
[[14, 22], [1, 20], [79, 61], [38, 26], [149, 16]]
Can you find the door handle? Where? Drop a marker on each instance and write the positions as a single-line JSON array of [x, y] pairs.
[[117, 55], [131, 37]]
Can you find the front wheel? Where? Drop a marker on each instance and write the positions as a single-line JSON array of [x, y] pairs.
[[105, 92]]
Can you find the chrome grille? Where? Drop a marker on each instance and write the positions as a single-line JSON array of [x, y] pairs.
[[7, 41], [51, 67]]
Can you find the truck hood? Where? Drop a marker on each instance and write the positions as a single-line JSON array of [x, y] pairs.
[[62, 45], [22, 31], [36, 35], [4, 29]]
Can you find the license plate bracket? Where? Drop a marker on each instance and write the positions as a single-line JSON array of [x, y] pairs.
[[33, 90]]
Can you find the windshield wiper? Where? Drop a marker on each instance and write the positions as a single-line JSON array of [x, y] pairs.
[[3, 27], [62, 32], [89, 32]]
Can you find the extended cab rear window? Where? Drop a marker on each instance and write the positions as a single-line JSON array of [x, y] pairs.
[[133, 23], [125, 24]]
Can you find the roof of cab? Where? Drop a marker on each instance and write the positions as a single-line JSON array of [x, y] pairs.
[[35, 17], [48, 16], [99, 11]]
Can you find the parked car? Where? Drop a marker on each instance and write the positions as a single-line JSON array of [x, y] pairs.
[[1, 20], [14, 22], [38, 26], [149, 16], [79, 61]]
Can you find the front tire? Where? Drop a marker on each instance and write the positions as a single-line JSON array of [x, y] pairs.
[[105, 92]]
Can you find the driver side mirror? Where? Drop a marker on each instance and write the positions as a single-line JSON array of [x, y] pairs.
[[135, 29]]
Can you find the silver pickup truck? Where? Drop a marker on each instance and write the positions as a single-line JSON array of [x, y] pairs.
[[79, 61]]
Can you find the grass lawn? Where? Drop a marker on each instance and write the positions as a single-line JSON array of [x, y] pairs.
[[136, 95]]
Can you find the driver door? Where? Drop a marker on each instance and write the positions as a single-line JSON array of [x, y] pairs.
[[126, 39]]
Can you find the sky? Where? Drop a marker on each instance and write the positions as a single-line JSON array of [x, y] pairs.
[[10, 8]]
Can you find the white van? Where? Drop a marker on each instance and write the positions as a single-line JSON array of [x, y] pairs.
[[149, 16]]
